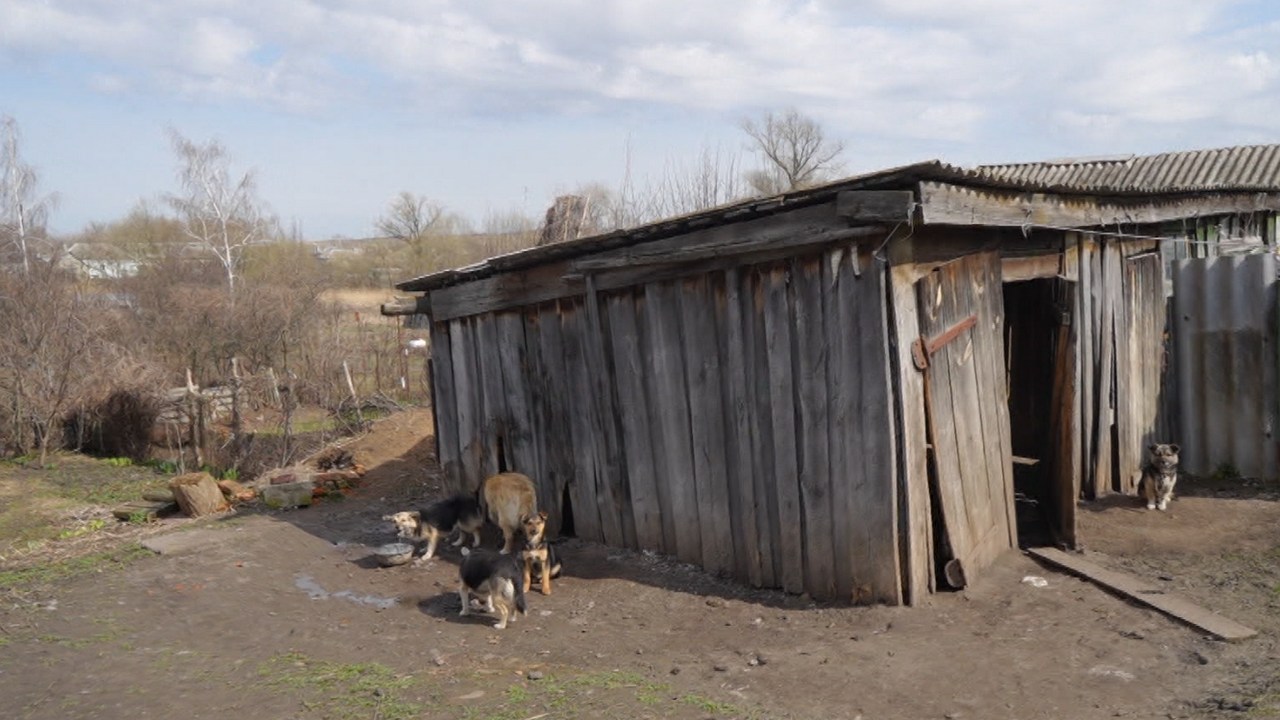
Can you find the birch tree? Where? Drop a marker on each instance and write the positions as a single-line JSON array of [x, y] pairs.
[[794, 150], [219, 211], [22, 213]]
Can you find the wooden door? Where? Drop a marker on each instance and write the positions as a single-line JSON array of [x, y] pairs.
[[961, 353]]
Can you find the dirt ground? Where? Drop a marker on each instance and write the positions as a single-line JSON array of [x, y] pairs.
[[285, 615]]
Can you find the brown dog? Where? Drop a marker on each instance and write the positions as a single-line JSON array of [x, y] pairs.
[[504, 499], [537, 553]]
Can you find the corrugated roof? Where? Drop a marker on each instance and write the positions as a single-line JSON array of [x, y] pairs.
[[1252, 168], [1232, 169]]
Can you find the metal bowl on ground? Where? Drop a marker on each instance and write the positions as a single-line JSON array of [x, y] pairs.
[[394, 554]]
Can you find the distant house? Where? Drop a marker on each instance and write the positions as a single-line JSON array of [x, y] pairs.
[[99, 261], [853, 390]]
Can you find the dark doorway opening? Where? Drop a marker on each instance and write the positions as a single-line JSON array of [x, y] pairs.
[[1031, 324]]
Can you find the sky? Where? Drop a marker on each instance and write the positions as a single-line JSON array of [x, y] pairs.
[[488, 107]]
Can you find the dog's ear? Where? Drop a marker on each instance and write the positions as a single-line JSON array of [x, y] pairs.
[[1153, 449], [1175, 449], [543, 515]]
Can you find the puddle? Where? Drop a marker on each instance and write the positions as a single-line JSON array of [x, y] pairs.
[[307, 584]]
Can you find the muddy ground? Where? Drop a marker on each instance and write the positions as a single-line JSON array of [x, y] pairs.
[[285, 615]]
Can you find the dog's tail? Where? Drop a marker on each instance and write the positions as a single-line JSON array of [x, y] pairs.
[[523, 607]]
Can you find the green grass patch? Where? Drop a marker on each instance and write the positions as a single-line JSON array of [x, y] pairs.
[[48, 574], [344, 691], [605, 694]]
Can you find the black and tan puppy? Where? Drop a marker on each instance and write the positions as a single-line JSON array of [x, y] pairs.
[[537, 555], [494, 579], [460, 512], [1159, 476]]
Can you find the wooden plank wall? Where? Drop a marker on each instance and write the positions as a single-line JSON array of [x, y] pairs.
[[739, 419], [1122, 311]]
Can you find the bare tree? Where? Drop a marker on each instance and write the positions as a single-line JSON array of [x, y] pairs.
[[22, 214], [219, 212], [795, 151], [429, 234]]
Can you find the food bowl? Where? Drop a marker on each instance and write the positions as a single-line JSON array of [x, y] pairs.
[[394, 554]]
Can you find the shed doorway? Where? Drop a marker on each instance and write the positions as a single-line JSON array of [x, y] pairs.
[[1039, 373]]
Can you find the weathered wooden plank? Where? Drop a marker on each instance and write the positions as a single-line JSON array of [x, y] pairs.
[[846, 426], [633, 411], [993, 394], [1064, 424], [779, 345], [445, 408], [582, 486], [883, 206], [1104, 405], [916, 514], [960, 359], [812, 433], [1128, 378], [493, 396], [1085, 352], [518, 447], [947, 477], [1146, 593], [945, 204], [669, 411], [803, 226], [466, 385], [736, 382], [1030, 268], [617, 526], [756, 281], [555, 431], [506, 290], [875, 497], [702, 362]]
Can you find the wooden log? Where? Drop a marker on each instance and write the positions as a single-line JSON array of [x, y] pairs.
[[812, 434], [779, 323], [197, 494], [737, 380], [759, 423]]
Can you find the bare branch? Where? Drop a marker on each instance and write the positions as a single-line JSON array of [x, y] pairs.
[[794, 150]]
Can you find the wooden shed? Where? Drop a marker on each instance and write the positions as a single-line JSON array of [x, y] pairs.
[[864, 391]]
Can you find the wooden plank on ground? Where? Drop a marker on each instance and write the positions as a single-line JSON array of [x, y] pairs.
[[698, 308], [633, 410], [1147, 594], [786, 471], [812, 434], [734, 335]]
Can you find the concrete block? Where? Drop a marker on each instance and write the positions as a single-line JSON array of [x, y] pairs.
[[296, 494]]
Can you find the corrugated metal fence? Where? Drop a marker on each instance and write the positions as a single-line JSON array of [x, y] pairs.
[[1225, 332]]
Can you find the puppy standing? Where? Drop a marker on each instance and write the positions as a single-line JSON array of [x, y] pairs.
[[538, 553], [496, 580], [1160, 475], [505, 499], [459, 512]]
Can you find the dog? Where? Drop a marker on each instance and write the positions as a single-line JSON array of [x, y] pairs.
[[1160, 475], [460, 512], [504, 499], [537, 553], [495, 579]]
